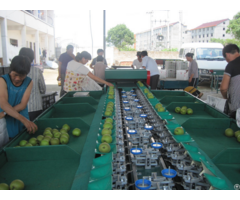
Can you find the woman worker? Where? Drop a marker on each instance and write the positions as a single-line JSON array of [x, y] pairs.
[[77, 67], [193, 76]]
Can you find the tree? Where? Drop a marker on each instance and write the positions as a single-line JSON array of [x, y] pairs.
[[120, 36], [234, 26], [226, 41]]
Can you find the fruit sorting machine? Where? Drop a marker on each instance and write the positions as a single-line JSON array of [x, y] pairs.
[[144, 153]]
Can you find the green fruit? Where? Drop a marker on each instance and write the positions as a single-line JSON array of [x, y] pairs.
[[65, 134], [109, 109], [111, 87], [48, 138], [110, 103], [106, 138], [179, 131], [111, 92], [108, 113], [76, 132], [63, 139], [237, 133], [161, 109], [57, 135], [184, 107], [104, 148], [44, 142], [108, 125], [48, 128], [110, 106], [229, 132], [238, 138], [189, 111], [23, 143], [66, 127], [28, 145], [54, 131], [110, 97], [183, 111], [158, 105], [106, 131], [109, 120], [146, 90], [40, 138], [33, 141], [54, 141], [48, 134], [63, 131], [47, 131], [4, 186], [17, 185], [177, 109]]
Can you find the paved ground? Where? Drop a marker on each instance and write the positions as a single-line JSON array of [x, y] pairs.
[[50, 77]]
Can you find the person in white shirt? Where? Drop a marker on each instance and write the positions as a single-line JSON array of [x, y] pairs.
[[150, 65], [138, 62], [77, 66]]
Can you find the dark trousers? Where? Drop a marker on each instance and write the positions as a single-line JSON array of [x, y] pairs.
[[34, 115], [154, 82], [194, 84], [62, 84]]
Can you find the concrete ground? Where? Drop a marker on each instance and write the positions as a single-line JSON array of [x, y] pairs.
[[50, 77]]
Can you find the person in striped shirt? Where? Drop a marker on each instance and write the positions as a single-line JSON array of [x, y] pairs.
[[39, 87]]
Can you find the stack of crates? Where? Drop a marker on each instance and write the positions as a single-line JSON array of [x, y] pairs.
[[181, 68], [181, 65], [170, 67]]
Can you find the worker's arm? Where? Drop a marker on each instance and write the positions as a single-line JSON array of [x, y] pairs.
[[59, 70], [92, 63], [31, 127], [132, 66], [95, 78], [224, 85]]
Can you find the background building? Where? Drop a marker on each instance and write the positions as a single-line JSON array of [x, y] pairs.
[[206, 31], [26, 28], [176, 36]]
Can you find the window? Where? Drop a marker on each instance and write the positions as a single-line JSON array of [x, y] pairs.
[[203, 35], [192, 51], [192, 37], [207, 29], [207, 35], [199, 41], [224, 29], [223, 22], [199, 30], [199, 36], [212, 28], [223, 35], [203, 41], [207, 40], [211, 34], [14, 42]]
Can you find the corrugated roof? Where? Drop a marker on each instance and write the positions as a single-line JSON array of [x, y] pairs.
[[210, 24]]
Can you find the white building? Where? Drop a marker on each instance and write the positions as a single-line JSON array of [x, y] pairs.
[[206, 31], [26, 28], [176, 35]]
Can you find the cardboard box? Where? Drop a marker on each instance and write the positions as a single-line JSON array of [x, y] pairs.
[[181, 75], [171, 73], [162, 73]]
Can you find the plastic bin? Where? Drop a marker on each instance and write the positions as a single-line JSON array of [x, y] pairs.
[[69, 100], [95, 94], [48, 100]]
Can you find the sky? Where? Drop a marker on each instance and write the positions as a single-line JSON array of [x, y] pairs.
[[76, 26]]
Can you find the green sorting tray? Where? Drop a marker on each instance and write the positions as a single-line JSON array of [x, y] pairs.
[[83, 110], [228, 163], [102, 160], [75, 143], [217, 182], [209, 134], [101, 172], [169, 99], [75, 100], [49, 168], [161, 94], [94, 94], [101, 184], [199, 111]]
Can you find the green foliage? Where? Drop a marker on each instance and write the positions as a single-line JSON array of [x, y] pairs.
[[120, 36], [126, 48], [173, 49], [234, 26], [226, 41]]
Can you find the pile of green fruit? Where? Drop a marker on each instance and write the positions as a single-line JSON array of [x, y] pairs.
[[179, 131], [15, 185], [111, 92], [230, 133], [184, 110], [104, 147], [109, 109], [140, 83], [51, 137], [159, 107]]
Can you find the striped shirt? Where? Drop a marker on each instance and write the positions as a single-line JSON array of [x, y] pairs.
[[39, 87]]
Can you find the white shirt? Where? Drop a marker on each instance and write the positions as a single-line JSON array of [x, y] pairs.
[[77, 67], [137, 64], [150, 65]]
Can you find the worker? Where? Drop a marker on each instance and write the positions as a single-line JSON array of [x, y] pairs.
[[230, 83], [14, 95], [35, 107], [62, 65], [99, 69], [193, 73], [100, 52], [76, 68], [151, 65], [138, 62]]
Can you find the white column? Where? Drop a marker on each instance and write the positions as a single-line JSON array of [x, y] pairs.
[[37, 47], [45, 15], [46, 46], [36, 13], [4, 42], [24, 39]]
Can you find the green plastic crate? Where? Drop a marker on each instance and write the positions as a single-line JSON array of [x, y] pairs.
[[76, 100]]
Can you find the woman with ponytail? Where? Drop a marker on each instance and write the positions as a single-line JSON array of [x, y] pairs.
[[76, 69]]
